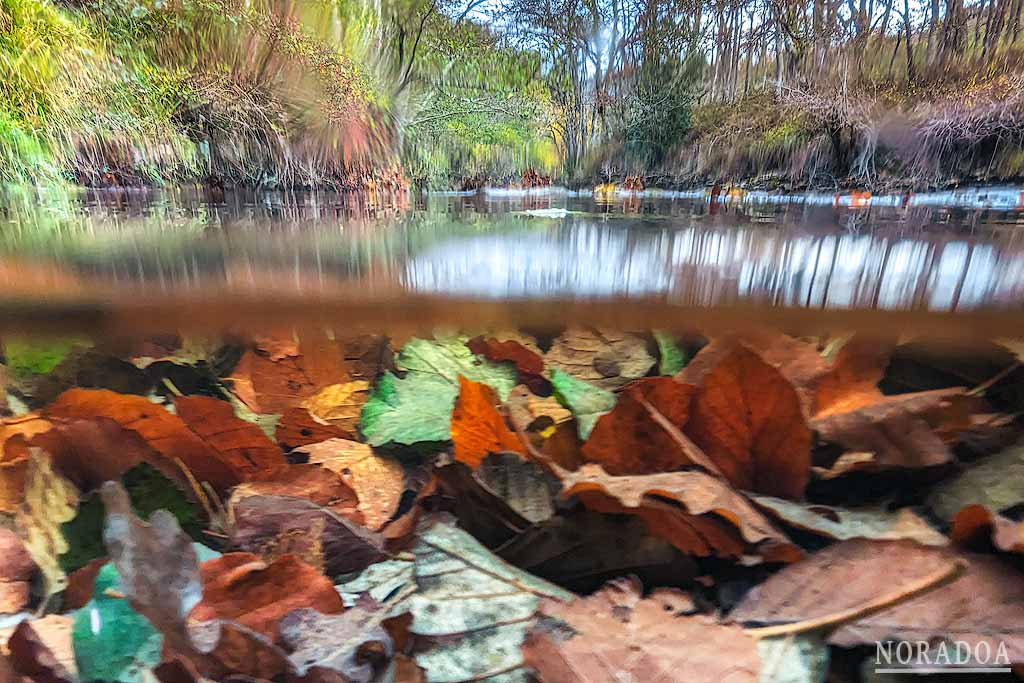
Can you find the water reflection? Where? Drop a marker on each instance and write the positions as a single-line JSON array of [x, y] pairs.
[[801, 252]]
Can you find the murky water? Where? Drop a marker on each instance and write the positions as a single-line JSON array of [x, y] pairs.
[[947, 252]]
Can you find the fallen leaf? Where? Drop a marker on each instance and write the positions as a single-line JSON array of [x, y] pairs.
[[582, 550], [977, 521], [527, 487], [747, 418], [160, 575], [240, 445], [40, 650], [112, 641], [16, 569], [242, 588], [469, 602], [334, 642], [529, 363], [587, 401], [479, 510], [671, 358], [477, 428], [339, 404], [904, 431], [50, 500], [616, 634], [630, 439], [995, 482], [840, 524], [297, 427], [311, 482], [694, 511], [15, 434], [982, 605], [606, 358], [377, 480], [261, 520], [418, 407], [274, 380]]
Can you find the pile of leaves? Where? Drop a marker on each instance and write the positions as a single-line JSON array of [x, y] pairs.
[[579, 507]]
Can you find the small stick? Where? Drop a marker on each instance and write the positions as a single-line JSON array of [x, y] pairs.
[[987, 384], [912, 590]]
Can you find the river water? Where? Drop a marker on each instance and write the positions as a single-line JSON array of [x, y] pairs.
[[945, 252]]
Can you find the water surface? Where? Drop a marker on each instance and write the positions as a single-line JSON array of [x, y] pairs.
[[947, 252]]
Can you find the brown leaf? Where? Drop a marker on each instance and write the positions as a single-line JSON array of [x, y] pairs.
[[615, 633], [16, 569], [237, 450], [347, 547], [694, 511], [378, 481], [41, 650], [312, 482], [906, 431], [82, 584], [747, 418], [240, 587], [526, 486], [982, 605], [297, 427], [477, 427], [529, 364], [281, 380], [160, 576], [977, 525], [629, 440], [239, 444], [607, 358], [581, 550], [91, 451], [15, 434]]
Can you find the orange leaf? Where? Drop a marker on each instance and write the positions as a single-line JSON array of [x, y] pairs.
[[747, 418], [244, 589], [234, 454], [629, 440], [478, 429]]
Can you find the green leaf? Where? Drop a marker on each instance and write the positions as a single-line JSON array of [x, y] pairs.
[[586, 401], [418, 407], [149, 491], [112, 641], [38, 357], [672, 358]]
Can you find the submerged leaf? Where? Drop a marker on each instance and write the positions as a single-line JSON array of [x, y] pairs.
[[478, 429], [472, 609], [418, 407], [586, 401], [607, 358], [616, 634], [50, 501]]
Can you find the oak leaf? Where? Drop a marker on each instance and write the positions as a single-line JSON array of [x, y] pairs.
[[339, 404]]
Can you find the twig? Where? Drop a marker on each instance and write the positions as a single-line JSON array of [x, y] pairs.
[[987, 384], [828, 621]]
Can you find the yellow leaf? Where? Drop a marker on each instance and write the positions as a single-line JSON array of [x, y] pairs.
[[50, 500], [339, 404]]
